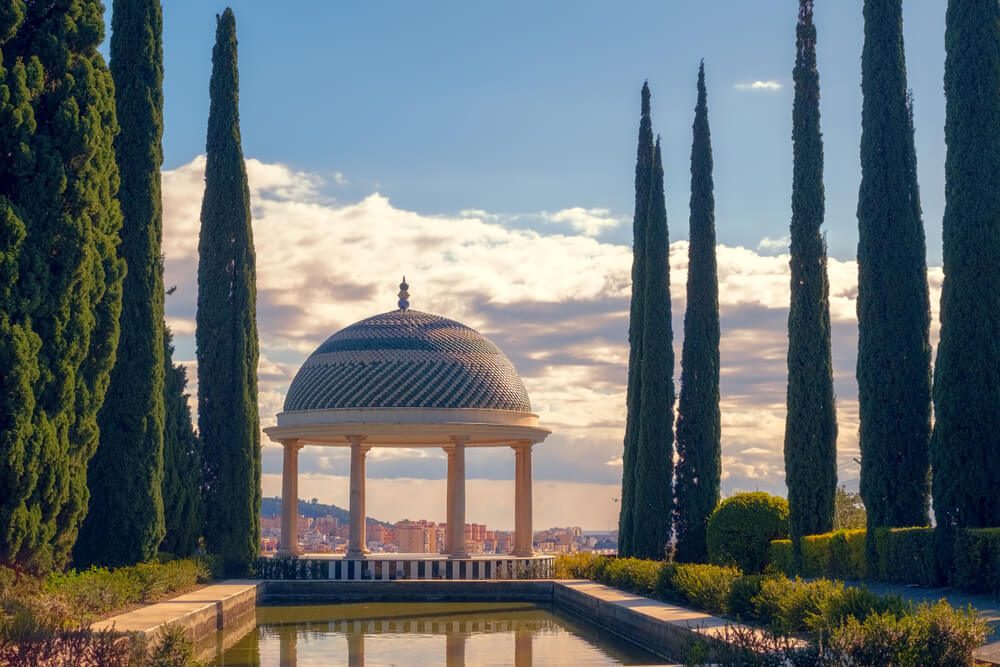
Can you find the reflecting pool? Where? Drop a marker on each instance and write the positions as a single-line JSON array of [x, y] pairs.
[[435, 633]]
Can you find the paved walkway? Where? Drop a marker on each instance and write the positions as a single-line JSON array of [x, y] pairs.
[[988, 608]]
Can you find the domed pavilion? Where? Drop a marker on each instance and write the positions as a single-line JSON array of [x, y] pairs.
[[408, 379]]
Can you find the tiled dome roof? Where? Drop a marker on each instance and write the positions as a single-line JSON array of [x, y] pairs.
[[407, 359]]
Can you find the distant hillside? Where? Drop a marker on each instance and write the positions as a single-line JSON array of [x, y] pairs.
[[271, 507]]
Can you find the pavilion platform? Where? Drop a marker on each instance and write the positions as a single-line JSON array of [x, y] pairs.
[[394, 566]]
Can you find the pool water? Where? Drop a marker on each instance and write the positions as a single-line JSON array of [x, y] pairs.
[[435, 633]]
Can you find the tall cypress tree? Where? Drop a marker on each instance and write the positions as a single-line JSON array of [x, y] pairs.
[[60, 275], [643, 167], [894, 353], [966, 441], [811, 421], [182, 506], [227, 325], [699, 428], [131, 420], [651, 519]]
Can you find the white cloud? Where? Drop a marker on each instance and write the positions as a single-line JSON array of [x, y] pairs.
[[556, 303], [769, 86], [587, 221], [769, 246]]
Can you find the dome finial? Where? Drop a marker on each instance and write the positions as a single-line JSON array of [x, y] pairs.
[[404, 296]]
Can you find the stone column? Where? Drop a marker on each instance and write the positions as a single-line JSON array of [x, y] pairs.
[[357, 545], [523, 533], [289, 545], [456, 497]]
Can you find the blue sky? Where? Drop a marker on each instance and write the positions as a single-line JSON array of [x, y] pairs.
[[528, 106], [487, 151]]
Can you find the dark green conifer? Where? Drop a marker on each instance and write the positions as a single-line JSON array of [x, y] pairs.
[[60, 275], [182, 508], [894, 358], [643, 166], [811, 421], [699, 428], [131, 420], [651, 520], [965, 447], [227, 325]]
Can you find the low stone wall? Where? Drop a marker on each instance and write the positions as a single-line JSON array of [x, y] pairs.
[[319, 591], [214, 617]]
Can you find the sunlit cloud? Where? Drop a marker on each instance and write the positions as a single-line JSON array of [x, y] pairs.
[[587, 221], [554, 298], [769, 86]]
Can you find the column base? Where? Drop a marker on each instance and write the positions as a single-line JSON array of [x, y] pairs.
[[355, 554], [289, 553], [523, 553], [458, 555]]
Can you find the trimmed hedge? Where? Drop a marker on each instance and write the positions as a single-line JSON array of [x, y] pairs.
[[976, 567], [860, 623], [742, 527], [906, 555]]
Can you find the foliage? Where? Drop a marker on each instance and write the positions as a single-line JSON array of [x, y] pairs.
[[60, 275], [906, 555], [631, 574], [699, 430], [226, 336], [932, 635], [894, 352], [172, 648], [580, 565], [742, 528], [811, 421], [848, 510], [131, 420], [967, 369], [838, 554], [976, 566], [182, 483], [98, 591], [781, 557], [707, 587], [793, 605], [651, 514], [643, 174], [742, 591]]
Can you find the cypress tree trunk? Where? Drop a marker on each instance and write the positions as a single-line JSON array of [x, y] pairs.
[[893, 370], [699, 429], [181, 462], [131, 420], [227, 326], [655, 444], [811, 421], [643, 166], [966, 440], [60, 275]]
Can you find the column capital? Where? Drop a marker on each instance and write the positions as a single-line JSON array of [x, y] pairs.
[[357, 441], [522, 445], [458, 439], [293, 444]]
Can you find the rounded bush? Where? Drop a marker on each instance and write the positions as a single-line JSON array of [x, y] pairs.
[[742, 527]]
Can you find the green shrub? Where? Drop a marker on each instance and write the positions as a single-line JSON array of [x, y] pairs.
[[906, 555], [742, 528], [582, 565], [631, 574], [840, 554], [741, 595], [931, 635], [976, 565], [781, 557], [706, 586], [664, 588], [793, 605]]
